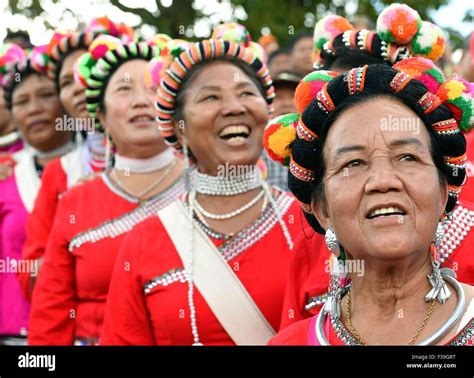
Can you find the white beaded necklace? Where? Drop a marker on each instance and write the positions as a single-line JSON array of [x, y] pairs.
[[225, 185], [232, 214]]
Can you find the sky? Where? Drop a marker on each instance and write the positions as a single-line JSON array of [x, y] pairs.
[[449, 15]]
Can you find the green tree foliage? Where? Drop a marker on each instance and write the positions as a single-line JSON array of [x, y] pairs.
[[283, 17]]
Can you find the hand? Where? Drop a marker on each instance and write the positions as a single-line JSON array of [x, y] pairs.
[[6, 166]]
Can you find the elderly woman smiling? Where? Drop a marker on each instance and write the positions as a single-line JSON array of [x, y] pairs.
[[378, 194]]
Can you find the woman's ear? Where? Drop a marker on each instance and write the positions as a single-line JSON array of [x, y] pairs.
[[180, 131], [102, 118], [320, 212], [443, 198]]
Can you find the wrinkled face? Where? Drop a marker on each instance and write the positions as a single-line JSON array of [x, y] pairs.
[[283, 102], [5, 116], [72, 94], [301, 55], [36, 110], [129, 113], [383, 194], [224, 117]]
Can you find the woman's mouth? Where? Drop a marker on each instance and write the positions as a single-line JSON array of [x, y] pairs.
[[38, 124], [142, 120], [235, 135], [383, 216], [386, 212]]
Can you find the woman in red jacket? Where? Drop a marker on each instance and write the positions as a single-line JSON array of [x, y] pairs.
[[339, 47], [35, 107], [210, 269], [87, 158], [93, 218], [379, 193]]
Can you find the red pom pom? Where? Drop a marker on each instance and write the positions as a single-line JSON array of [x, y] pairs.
[[279, 134], [309, 87]]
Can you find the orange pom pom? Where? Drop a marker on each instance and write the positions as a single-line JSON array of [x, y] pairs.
[[398, 23]]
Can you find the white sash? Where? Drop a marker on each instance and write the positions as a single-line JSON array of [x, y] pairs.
[[26, 177], [221, 288], [73, 165]]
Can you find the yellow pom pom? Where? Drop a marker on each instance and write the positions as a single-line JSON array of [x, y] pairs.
[[281, 139]]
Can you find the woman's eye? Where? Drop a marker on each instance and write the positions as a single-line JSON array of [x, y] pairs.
[[353, 163], [123, 88], [64, 84], [47, 94], [209, 98], [247, 94], [408, 157]]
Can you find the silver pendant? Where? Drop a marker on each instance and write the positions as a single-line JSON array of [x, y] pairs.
[[439, 288]]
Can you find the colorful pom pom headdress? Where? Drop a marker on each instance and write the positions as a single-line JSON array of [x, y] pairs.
[[195, 54], [400, 34], [103, 25], [105, 55], [35, 63], [169, 50], [446, 106], [64, 43], [238, 33], [10, 54]]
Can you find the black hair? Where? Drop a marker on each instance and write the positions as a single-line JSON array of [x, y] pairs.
[[296, 38], [274, 54], [377, 84], [62, 51], [21, 34], [20, 70], [338, 55], [352, 58]]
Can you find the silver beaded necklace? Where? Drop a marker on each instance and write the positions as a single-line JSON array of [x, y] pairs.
[[225, 185]]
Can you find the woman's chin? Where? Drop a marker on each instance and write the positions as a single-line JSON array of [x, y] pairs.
[[145, 138], [390, 249], [247, 157]]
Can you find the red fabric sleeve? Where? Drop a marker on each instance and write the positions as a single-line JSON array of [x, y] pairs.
[[296, 334], [308, 277], [126, 317], [40, 221], [294, 302], [54, 303]]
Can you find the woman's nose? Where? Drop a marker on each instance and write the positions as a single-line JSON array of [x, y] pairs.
[[232, 105], [383, 176], [34, 106], [78, 89], [143, 98]]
